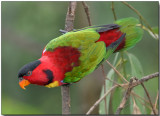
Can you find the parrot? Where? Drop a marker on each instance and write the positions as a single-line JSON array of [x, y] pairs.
[[75, 54]]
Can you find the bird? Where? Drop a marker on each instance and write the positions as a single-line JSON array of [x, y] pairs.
[[75, 54]]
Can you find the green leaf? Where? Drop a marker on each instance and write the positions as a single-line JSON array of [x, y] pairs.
[[115, 97], [137, 71], [136, 68], [108, 86]]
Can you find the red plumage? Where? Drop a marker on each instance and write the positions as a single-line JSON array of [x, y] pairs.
[[39, 72], [62, 59], [65, 57], [59, 61], [54, 64], [111, 36]]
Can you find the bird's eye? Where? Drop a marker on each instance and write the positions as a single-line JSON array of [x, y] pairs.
[[29, 73]]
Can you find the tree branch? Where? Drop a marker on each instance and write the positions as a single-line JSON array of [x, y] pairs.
[[65, 91], [116, 71], [155, 104], [114, 14], [125, 98], [70, 16], [156, 100], [68, 27], [105, 101], [131, 86], [98, 101], [146, 78], [86, 8], [140, 16], [149, 98]]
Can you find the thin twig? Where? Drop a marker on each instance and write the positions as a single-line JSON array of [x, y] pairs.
[[68, 27], [140, 16], [119, 63], [138, 82], [99, 100], [116, 71], [105, 102], [148, 106], [146, 78], [136, 109], [125, 98], [149, 98], [133, 84], [114, 82], [114, 14], [123, 65], [156, 100], [145, 28], [133, 93], [86, 8]]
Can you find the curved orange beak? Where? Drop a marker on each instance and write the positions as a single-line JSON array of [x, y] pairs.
[[23, 83]]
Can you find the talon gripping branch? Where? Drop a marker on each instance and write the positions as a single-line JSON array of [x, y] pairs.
[[70, 57]]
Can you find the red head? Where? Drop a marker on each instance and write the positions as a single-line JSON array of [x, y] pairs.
[[38, 72]]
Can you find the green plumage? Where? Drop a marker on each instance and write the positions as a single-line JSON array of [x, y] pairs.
[[133, 32], [74, 39], [92, 52]]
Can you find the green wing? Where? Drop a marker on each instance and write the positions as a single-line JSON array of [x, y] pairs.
[[133, 32], [92, 52], [89, 60], [74, 39]]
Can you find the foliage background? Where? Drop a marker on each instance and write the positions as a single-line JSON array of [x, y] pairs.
[[28, 26]]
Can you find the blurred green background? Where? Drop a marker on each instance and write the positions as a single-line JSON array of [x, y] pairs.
[[28, 26]]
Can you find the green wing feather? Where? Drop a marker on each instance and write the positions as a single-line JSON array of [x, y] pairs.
[[133, 32], [74, 39], [92, 52], [91, 59]]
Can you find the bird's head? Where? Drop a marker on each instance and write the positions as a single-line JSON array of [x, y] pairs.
[[38, 73]]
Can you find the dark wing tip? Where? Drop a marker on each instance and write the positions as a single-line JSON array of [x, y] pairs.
[[117, 42], [104, 28]]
